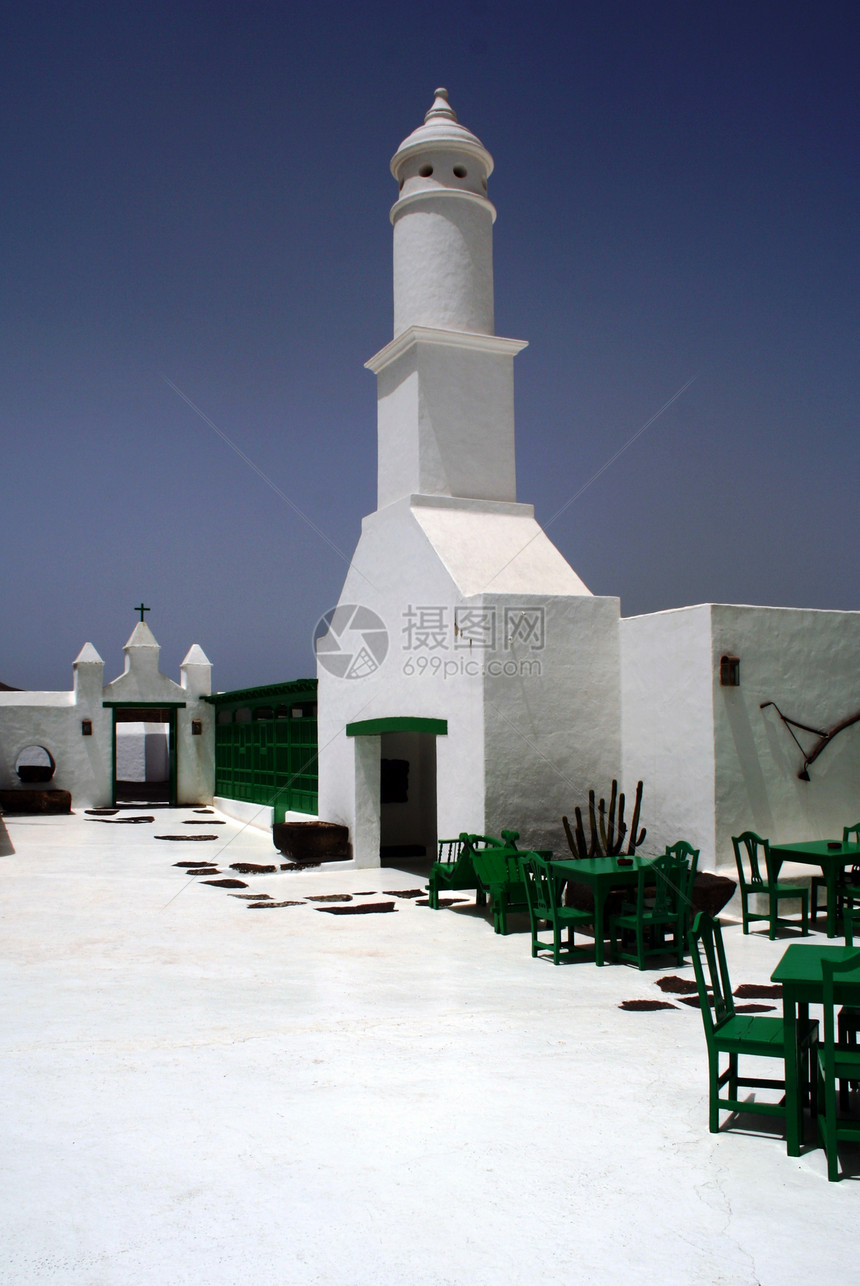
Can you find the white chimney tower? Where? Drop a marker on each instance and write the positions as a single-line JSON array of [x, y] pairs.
[[445, 382]]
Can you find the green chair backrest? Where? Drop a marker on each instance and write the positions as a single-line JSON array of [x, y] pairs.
[[540, 885], [752, 844], [492, 865], [450, 850], [682, 849], [712, 972], [665, 879], [830, 971], [476, 842], [851, 835]]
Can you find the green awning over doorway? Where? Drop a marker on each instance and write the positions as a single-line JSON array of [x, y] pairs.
[[397, 723]]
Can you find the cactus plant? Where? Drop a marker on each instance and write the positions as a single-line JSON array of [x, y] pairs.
[[607, 828], [636, 839]]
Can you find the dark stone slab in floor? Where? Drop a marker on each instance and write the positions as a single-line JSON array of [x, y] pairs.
[[448, 902], [227, 884], [677, 986], [646, 1006], [102, 812], [266, 906], [403, 893], [693, 1002], [298, 866], [251, 897], [210, 811], [187, 839], [366, 908], [121, 821], [194, 821], [189, 865], [759, 991], [206, 870], [252, 868], [332, 897]]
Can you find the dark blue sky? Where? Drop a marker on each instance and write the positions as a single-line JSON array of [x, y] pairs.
[[199, 193]]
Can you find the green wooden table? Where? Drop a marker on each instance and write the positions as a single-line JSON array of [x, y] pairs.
[[602, 875], [799, 974], [821, 853]]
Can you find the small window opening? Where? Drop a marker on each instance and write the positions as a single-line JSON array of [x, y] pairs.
[[459, 171], [86, 727], [197, 727], [425, 171], [394, 781], [35, 763], [730, 671]]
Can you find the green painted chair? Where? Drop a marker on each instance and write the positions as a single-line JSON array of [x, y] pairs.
[[498, 870], [751, 844], [730, 1034], [660, 910], [849, 1016], [848, 887], [455, 869], [838, 1063], [681, 849], [546, 912]]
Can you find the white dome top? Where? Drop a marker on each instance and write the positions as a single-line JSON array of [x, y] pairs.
[[441, 131]]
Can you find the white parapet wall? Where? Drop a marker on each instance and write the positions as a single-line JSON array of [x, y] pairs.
[[259, 816], [77, 728], [716, 758], [667, 726]]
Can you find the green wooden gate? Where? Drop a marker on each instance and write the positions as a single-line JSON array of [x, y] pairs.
[[266, 746]]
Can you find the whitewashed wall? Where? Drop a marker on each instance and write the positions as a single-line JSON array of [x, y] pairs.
[[54, 720], [667, 726], [518, 744], [394, 567], [808, 662], [714, 763], [552, 719]]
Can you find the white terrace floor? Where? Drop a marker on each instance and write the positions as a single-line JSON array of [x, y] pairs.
[[195, 1091]]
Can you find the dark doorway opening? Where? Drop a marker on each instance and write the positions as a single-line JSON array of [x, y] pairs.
[[144, 755], [407, 797]]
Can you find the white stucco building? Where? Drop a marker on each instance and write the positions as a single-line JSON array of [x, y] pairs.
[[141, 723], [468, 679]]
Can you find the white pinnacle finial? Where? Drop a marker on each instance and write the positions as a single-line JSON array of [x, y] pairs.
[[441, 107]]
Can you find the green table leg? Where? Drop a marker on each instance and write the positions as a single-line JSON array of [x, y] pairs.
[[793, 1105], [599, 902], [830, 878]]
